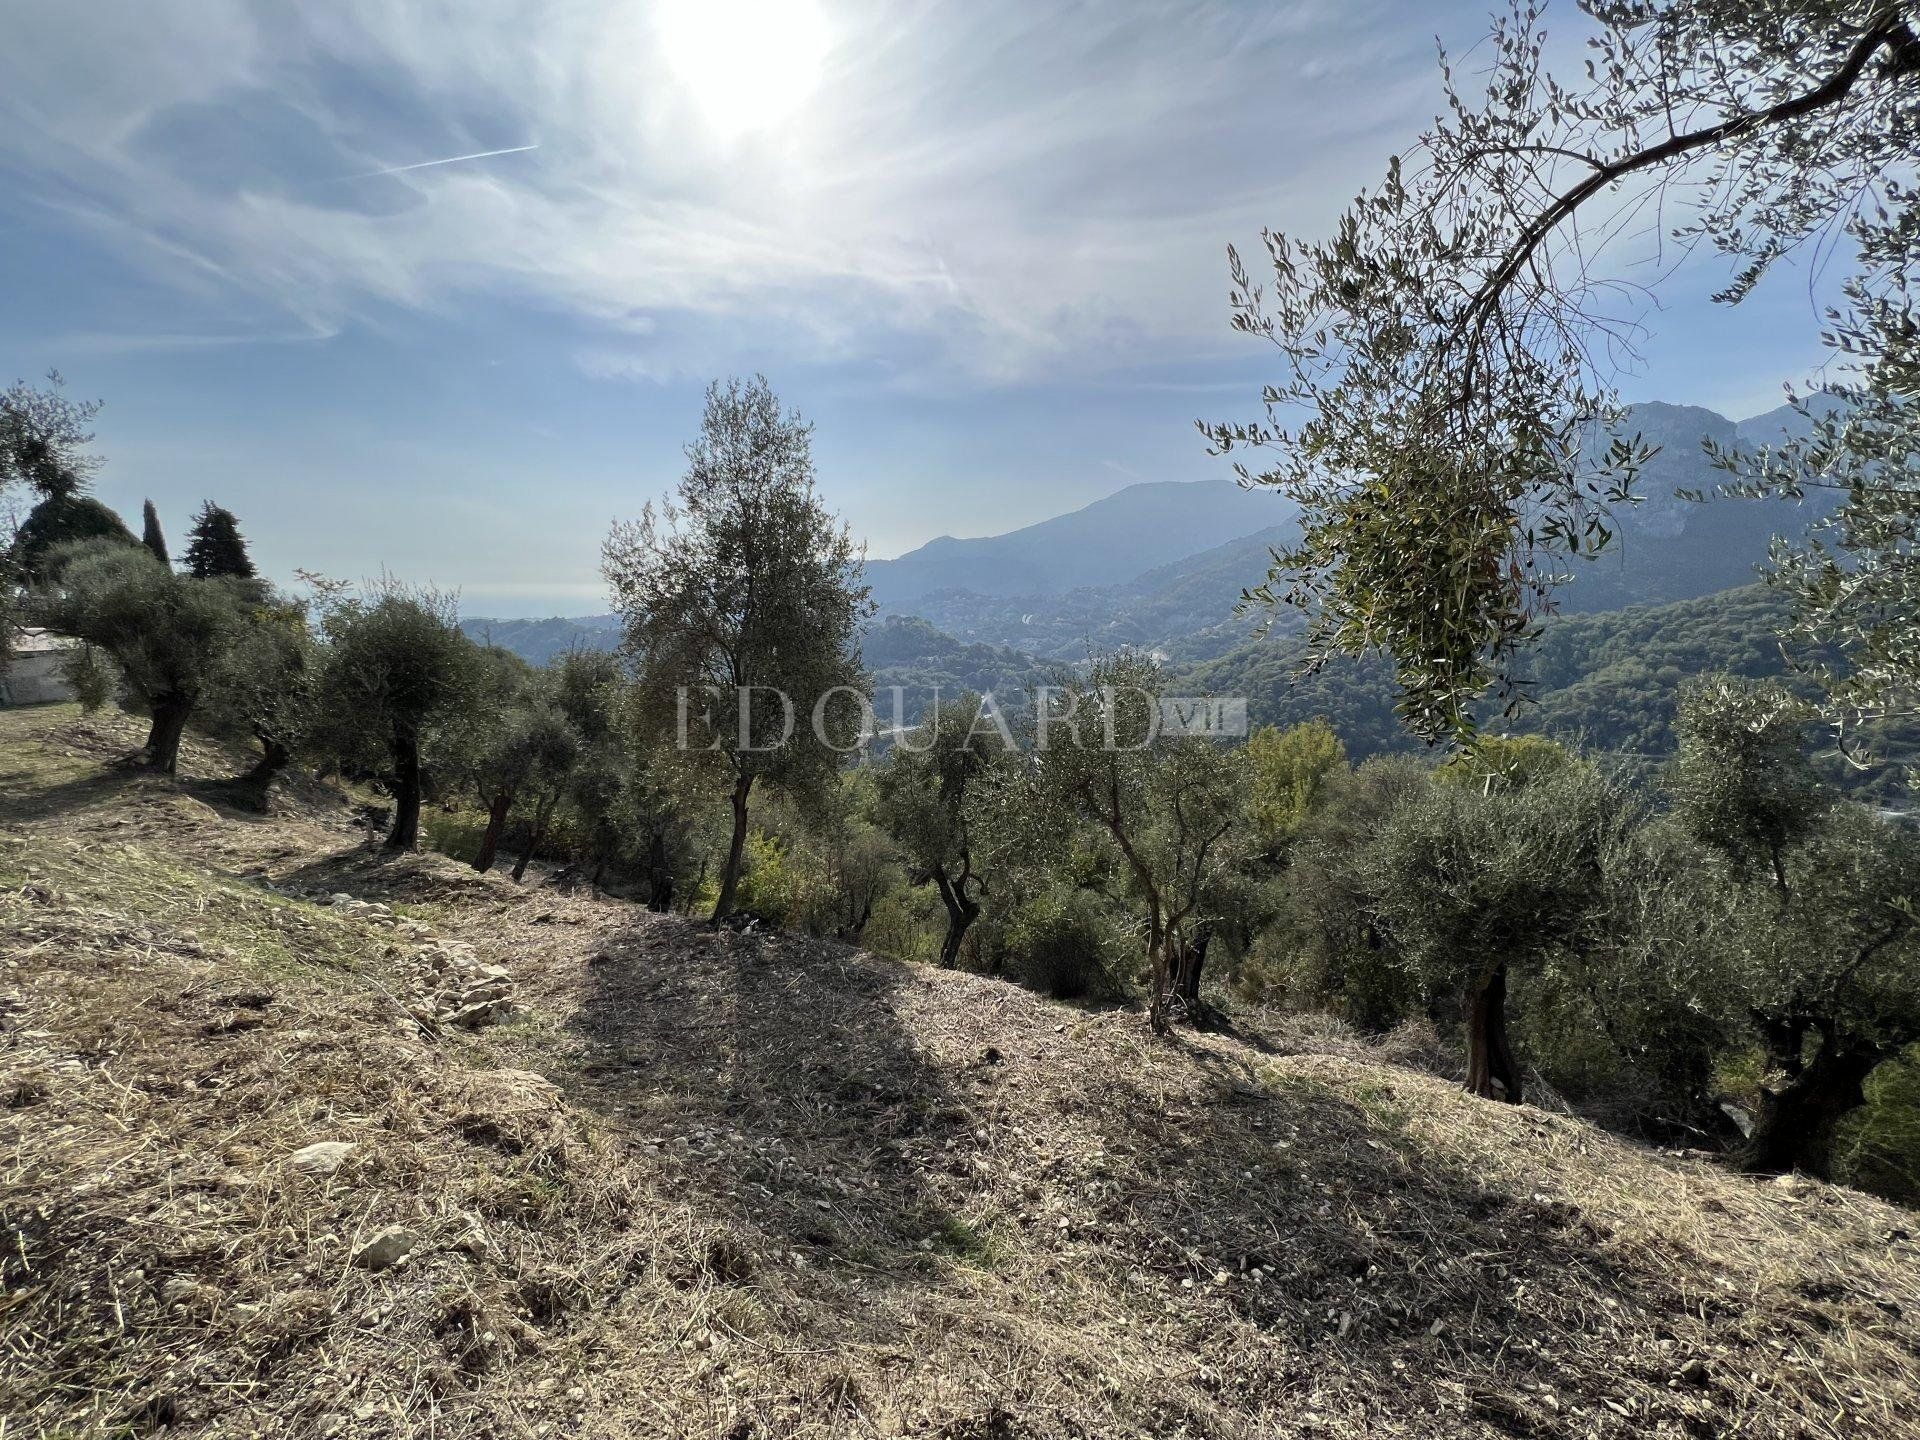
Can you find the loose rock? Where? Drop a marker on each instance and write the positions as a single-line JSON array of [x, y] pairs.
[[386, 1248]]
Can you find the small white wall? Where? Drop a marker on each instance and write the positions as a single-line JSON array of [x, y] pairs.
[[34, 679]]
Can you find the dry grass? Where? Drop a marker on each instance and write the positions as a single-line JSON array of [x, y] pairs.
[[726, 1186]]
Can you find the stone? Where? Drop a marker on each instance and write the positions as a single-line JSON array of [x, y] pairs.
[[486, 1012], [321, 1158], [386, 1248]]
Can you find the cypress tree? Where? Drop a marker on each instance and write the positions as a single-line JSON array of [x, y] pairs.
[[215, 546], [150, 535]]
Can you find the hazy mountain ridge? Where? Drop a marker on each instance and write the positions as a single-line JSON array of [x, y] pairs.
[[1107, 542], [1161, 566], [1665, 548], [539, 641], [1184, 607]]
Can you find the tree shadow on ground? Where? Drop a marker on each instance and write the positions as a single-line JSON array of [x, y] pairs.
[[1296, 1209], [777, 1076], [26, 799]]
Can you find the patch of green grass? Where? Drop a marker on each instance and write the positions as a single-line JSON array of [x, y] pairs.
[[965, 1243], [454, 832], [1382, 1107], [275, 935]]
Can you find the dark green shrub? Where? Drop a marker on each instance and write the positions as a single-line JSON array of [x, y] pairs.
[[1062, 944]]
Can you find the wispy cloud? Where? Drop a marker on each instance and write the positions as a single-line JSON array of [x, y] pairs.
[[446, 160], [1000, 189]]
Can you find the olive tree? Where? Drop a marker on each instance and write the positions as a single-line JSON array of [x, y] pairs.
[[927, 791], [741, 601], [1446, 415], [1741, 782], [1173, 807], [492, 751], [524, 736], [1466, 886], [398, 673], [1327, 949], [264, 684], [44, 440], [1830, 973], [166, 634], [569, 715], [853, 862], [1826, 960]]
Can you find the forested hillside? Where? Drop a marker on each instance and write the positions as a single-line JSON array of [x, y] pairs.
[[1609, 682], [541, 641]]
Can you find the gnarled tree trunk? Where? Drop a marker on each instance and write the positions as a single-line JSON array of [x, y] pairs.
[[274, 757], [257, 783], [542, 815], [962, 911], [1491, 1073], [490, 838], [659, 875], [856, 926], [1802, 1105], [162, 750], [1186, 978], [1159, 1007]]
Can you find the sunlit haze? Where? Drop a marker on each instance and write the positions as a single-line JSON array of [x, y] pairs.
[[437, 287]]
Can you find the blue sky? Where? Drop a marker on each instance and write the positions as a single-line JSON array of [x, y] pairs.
[[979, 244]]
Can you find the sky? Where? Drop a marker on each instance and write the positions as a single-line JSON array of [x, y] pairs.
[[434, 287]]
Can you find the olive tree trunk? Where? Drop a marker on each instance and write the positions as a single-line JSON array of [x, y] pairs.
[[1159, 973], [162, 750], [1491, 1073], [534, 836], [1800, 1112], [1186, 978], [962, 911], [490, 838], [659, 874], [274, 757], [405, 834], [255, 786], [730, 877]]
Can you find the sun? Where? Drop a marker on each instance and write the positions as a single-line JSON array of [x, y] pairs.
[[747, 64]]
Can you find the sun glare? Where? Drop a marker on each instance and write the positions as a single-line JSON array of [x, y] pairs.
[[747, 64]]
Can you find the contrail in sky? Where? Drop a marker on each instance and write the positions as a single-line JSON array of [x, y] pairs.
[[449, 160]]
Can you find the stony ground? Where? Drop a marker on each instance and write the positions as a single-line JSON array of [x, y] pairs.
[[297, 1139]]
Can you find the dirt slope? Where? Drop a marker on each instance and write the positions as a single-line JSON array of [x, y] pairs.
[[709, 1185]]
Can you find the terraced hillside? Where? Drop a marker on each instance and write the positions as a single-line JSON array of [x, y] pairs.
[[304, 1140]]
